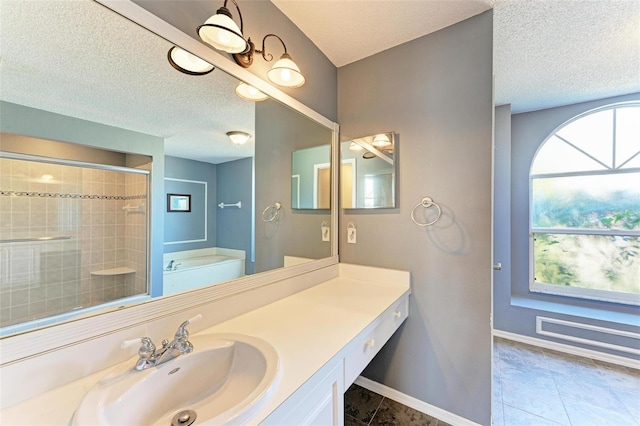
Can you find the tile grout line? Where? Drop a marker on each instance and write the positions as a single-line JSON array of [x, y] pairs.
[[376, 411], [555, 383]]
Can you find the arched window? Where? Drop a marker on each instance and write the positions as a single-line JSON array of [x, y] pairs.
[[585, 207]]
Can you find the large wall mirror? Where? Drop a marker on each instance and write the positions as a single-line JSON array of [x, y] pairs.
[[97, 129]]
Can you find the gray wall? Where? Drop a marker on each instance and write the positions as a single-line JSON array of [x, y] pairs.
[[436, 94], [296, 232], [260, 18], [42, 124], [190, 226], [234, 226], [516, 308]]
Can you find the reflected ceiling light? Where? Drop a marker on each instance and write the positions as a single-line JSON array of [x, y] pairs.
[[239, 138], [250, 93], [381, 140], [355, 147], [221, 32], [368, 155], [46, 177], [188, 63], [284, 72]]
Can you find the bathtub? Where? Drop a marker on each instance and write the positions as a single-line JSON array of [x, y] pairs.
[[197, 268]]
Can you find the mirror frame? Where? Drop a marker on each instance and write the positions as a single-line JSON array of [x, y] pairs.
[[97, 324]]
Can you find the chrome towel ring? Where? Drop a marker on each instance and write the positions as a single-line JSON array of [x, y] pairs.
[[426, 202], [271, 212]]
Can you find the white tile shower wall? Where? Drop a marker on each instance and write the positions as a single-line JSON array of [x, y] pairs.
[[39, 279]]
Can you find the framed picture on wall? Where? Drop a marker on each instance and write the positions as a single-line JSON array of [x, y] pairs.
[[179, 203]]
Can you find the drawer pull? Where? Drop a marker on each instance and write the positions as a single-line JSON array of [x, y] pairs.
[[397, 314], [370, 343]]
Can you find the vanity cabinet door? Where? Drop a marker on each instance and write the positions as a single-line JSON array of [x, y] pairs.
[[319, 402]]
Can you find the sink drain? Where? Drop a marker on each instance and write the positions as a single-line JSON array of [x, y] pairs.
[[184, 418]]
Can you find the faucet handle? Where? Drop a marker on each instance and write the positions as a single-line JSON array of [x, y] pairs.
[[147, 349], [182, 330]]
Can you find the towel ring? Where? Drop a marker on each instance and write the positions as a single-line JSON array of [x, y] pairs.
[[271, 212], [426, 202]]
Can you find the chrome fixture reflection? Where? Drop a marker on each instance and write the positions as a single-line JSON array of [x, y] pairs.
[[188, 63], [250, 93], [239, 138], [221, 32]]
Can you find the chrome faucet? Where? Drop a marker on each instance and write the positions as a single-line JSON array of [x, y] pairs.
[[172, 266], [149, 356]]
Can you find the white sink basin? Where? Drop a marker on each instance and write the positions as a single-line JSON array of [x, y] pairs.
[[227, 378]]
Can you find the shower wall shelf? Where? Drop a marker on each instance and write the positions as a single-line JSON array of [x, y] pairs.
[[138, 208], [114, 271]]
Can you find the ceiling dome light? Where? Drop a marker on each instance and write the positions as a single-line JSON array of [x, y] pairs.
[[286, 73], [221, 32], [250, 93], [381, 140], [239, 138], [188, 63]]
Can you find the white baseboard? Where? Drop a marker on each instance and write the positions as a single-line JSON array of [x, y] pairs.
[[414, 403], [569, 349]]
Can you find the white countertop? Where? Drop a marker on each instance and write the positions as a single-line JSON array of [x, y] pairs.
[[307, 330]]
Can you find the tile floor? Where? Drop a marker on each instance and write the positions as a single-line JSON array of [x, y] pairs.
[[532, 387], [539, 387], [365, 408]]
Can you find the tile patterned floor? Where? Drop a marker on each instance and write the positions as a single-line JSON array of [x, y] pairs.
[[532, 387], [539, 387], [365, 408]]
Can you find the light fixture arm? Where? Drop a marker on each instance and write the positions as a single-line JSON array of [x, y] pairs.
[[245, 59], [263, 51], [225, 11]]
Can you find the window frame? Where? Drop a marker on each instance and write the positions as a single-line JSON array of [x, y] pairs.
[[578, 292]]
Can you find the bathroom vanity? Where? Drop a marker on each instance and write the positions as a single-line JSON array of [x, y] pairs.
[[324, 337]]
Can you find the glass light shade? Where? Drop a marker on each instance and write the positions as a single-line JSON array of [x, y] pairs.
[[222, 33], [187, 63], [238, 138], [355, 147], [250, 93], [381, 140], [286, 73]]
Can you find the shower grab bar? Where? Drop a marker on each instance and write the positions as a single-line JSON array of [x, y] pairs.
[[27, 240]]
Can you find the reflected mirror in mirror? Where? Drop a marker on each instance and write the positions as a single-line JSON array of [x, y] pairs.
[[368, 172], [311, 178], [114, 90]]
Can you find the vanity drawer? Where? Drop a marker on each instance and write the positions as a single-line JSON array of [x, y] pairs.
[[368, 343]]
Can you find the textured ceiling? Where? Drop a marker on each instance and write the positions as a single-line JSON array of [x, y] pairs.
[[546, 52], [87, 62], [349, 30]]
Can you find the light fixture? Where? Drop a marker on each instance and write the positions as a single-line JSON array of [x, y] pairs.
[[221, 32], [355, 147], [188, 63], [250, 93], [239, 138], [284, 72], [381, 140]]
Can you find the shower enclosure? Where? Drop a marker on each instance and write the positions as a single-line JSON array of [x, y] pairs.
[[72, 235]]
